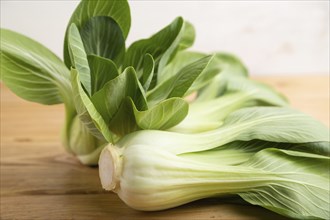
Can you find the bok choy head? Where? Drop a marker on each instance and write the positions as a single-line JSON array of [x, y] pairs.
[[34, 73], [283, 169], [127, 94], [109, 89], [104, 85]]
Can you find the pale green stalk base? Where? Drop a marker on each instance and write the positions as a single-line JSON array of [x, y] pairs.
[[155, 170], [166, 180], [149, 178], [78, 141], [91, 158]]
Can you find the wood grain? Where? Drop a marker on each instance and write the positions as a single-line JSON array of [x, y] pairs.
[[39, 180]]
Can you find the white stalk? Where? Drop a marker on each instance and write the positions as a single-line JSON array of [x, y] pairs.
[[147, 178]]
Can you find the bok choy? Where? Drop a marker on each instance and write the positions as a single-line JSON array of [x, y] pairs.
[[159, 150], [291, 183], [273, 157], [104, 86], [108, 89]]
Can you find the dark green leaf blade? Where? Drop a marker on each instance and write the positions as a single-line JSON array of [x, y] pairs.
[[184, 58], [103, 37], [148, 71], [156, 45], [111, 97], [164, 115], [123, 122], [178, 84], [160, 117], [102, 71], [117, 10]]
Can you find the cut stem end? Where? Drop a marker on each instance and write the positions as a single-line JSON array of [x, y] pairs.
[[109, 168]]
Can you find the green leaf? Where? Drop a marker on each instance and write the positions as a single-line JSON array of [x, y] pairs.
[[273, 124], [209, 115], [230, 66], [110, 98], [82, 141], [180, 60], [208, 111], [102, 71], [300, 127], [92, 158], [188, 36], [164, 115], [206, 77], [277, 125], [117, 10], [32, 71], [171, 50], [166, 40], [205, 115], [103, 37], [123, 122], [184, 58], [87, 113], [178, 85], [298, 184], [262, 92], [237, 152], [79, 58], [148, 71]]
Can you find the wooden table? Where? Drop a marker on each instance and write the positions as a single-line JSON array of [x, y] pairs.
[[39, 180]]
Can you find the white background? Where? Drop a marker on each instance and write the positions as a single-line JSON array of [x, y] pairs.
[[271, 37]]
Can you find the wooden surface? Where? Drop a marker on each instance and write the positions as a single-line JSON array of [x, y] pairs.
[[39, 180]]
